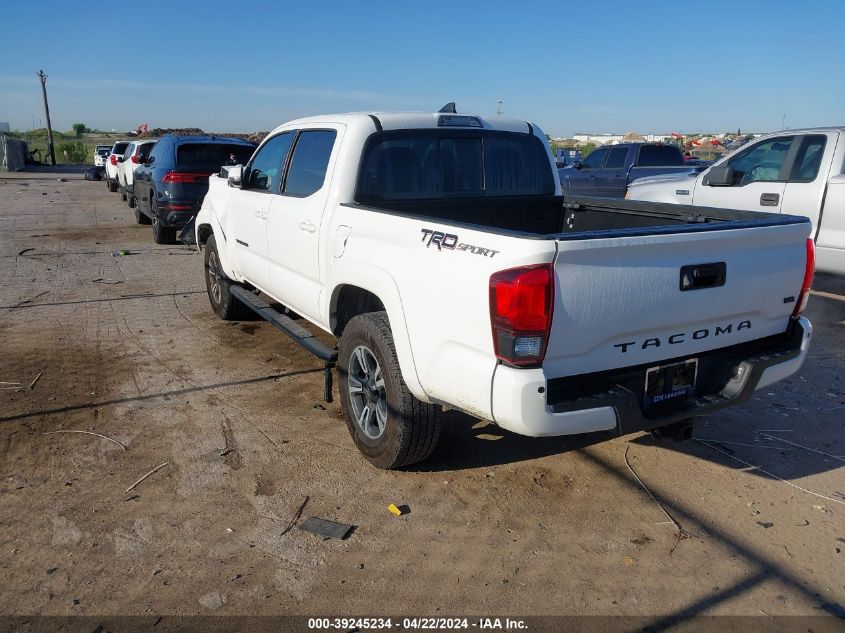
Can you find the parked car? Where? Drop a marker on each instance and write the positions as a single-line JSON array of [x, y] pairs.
[[567, 156], [799, 171], [136, 154], [117, 151], [607, 171], [170, 185], [437, 249], [101, 154]]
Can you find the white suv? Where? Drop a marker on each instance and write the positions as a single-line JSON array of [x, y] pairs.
[[101, 154], [136, 154], [111, 164]]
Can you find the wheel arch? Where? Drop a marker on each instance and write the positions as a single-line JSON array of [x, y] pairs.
[[206, 225], [350, 298]]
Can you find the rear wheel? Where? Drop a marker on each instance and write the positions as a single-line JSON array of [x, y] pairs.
[[161, 234], [387, 423], [130, 200], [217, 284]]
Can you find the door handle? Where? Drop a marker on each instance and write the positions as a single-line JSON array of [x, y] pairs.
[[308, 226], [769, 199], [261, 215]]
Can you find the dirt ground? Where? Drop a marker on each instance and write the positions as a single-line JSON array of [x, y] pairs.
[[127, 346]]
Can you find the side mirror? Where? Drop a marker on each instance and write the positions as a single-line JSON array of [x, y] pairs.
[[578, 164], [149, 160], [720, 176], [234, 175]]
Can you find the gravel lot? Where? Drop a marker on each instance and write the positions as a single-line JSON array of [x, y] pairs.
[[127, 346]]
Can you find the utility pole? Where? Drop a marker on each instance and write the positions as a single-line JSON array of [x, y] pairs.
[[43, 79], [499, 105]]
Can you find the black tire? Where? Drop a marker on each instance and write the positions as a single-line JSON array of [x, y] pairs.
[[161, 234], [122, 193], [408, 429], [112, 185], [130, 200], [140, 218], [217, 285]]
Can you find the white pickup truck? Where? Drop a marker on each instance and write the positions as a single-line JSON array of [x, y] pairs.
[[796, 171], [436, 249]]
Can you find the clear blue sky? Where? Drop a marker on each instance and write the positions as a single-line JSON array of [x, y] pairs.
[[654, 66]]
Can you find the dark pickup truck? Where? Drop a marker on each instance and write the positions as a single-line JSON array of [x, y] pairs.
[[607, 171]]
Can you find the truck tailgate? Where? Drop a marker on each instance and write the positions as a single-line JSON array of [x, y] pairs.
[[619, 302]]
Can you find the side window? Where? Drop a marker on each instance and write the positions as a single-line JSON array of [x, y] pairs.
[[156, 151], [265, 170], [808, 159], [145, 151], [595, 158], [616, 158], [761, 163], [129, 149], [308, 164]]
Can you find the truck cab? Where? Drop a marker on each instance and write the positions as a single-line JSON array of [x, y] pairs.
[[799, 172]]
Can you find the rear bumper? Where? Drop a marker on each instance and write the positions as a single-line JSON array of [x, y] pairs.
[[177, 213], [528, 402]]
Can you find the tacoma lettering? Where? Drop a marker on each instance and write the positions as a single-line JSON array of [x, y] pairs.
[[674, 339]]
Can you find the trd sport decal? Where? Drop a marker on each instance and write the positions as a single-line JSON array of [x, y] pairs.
[[450, 241]]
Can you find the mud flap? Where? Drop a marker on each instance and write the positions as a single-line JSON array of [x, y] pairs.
[[188, 234]]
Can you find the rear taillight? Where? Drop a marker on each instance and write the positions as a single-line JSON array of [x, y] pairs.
[[521, 302], [809, 271], [113, 159], [182, 177], [135, 159]]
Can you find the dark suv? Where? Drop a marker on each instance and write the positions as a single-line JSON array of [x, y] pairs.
[[170, 185]]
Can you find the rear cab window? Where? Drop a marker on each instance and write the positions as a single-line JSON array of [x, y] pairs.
[[807, 161], [616, 158], [443, 164], [309, 162], [119, 148], [659, 156], [209, 157]]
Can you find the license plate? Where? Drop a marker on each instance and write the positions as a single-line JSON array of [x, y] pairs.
[[670, 382]]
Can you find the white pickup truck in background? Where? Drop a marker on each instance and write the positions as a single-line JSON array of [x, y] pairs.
[[437, 250], [796, 171]]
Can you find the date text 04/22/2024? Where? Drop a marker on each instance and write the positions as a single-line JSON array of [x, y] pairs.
[[413, 624]]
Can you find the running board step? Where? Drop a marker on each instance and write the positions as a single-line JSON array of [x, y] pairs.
[[287, 325]]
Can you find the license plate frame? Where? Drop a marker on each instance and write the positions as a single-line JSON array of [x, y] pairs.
[[670, 382]]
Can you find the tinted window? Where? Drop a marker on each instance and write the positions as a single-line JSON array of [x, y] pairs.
[[808, 159], [208, 157], [616, 157], [762, 162], [145, 149], [158, 151], [443, 164], [129, 149], [265, 171], [595, 158], [308, 164], [119, 148], [659, 156]]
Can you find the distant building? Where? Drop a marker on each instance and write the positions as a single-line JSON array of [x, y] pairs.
[[610, 137], [4, 126]]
